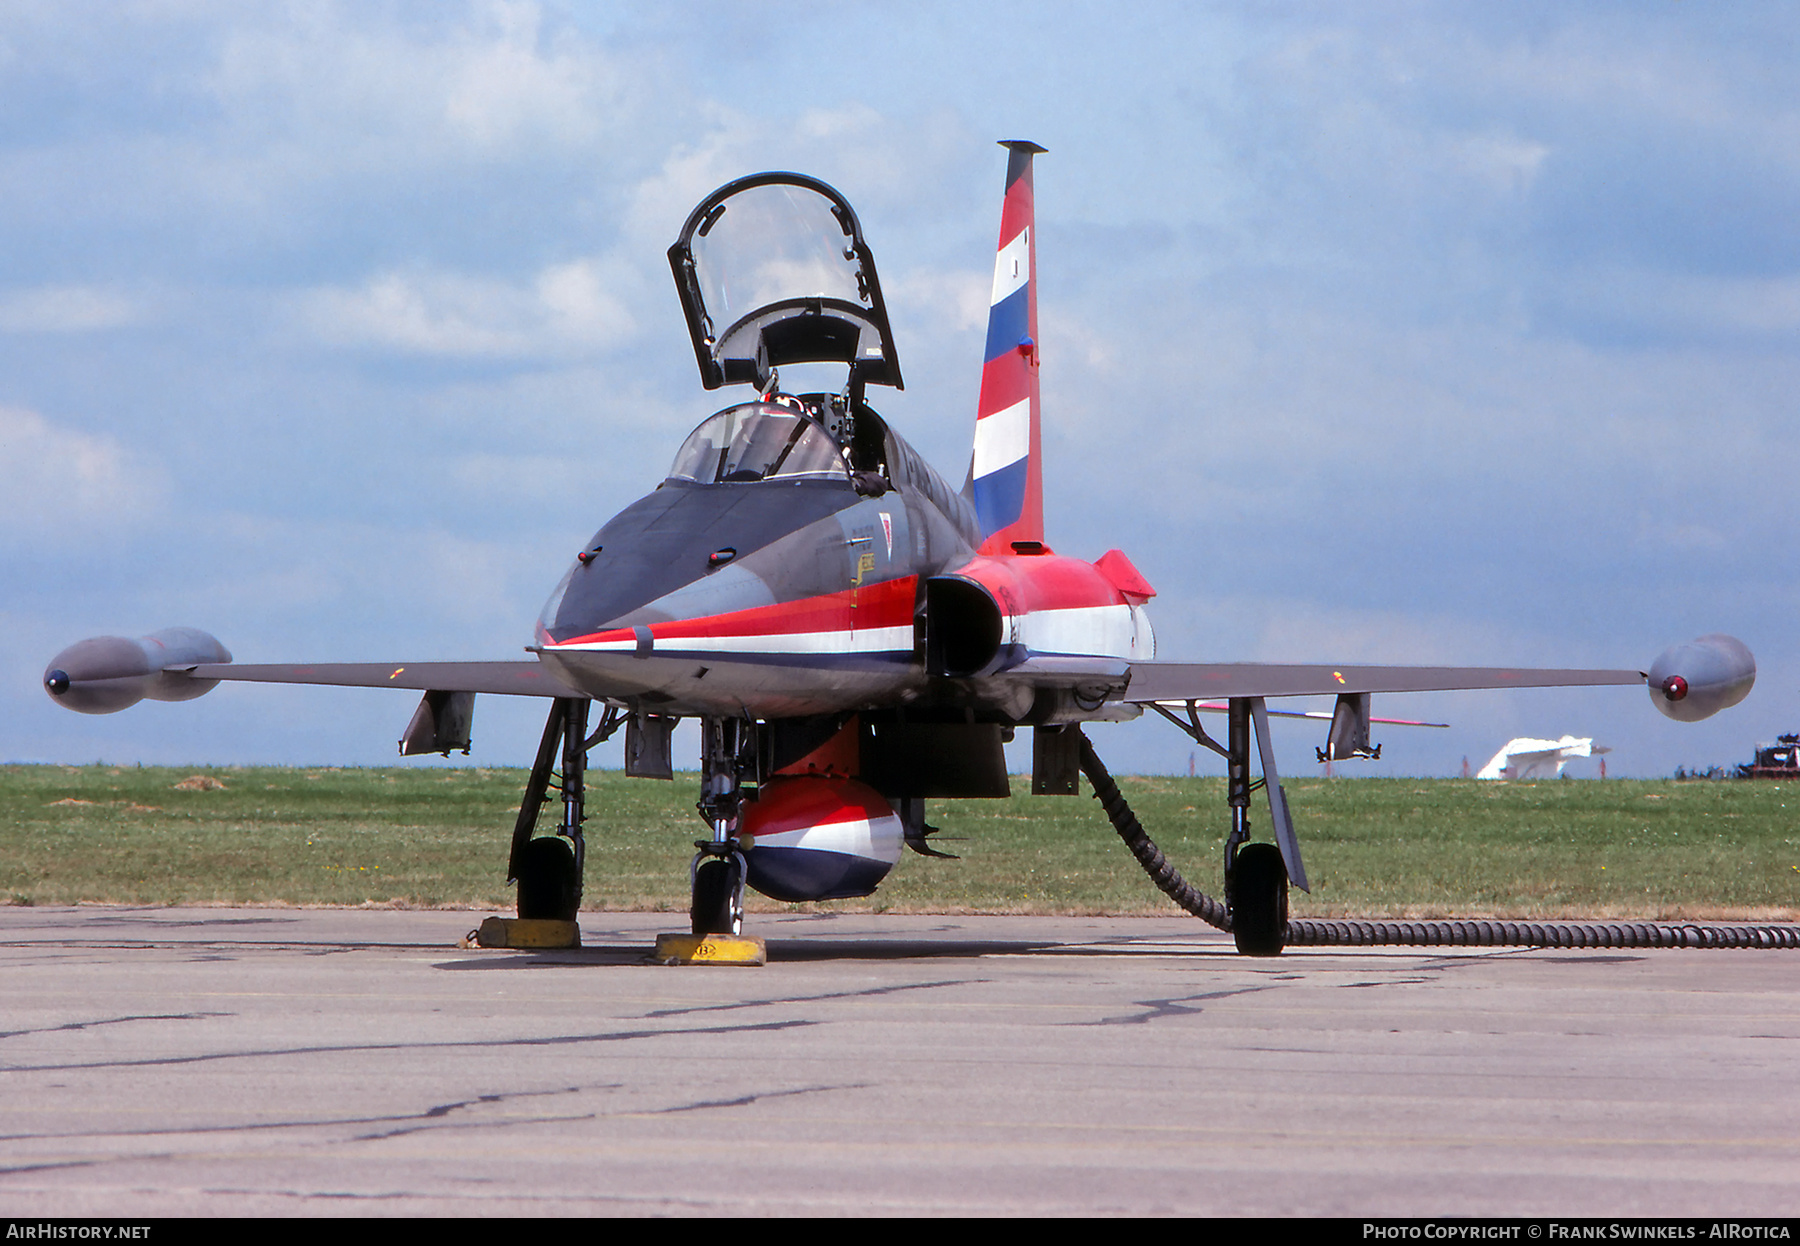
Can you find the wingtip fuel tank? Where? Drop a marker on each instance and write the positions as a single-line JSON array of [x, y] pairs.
[[105, 674], [1697, 680]]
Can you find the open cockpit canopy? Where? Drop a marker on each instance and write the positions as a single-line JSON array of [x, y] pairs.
[[772, 270]]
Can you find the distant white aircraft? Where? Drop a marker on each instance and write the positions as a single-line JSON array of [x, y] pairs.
[[1538, 759]]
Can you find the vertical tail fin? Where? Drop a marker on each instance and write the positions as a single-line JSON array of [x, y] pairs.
[[1006, 474]]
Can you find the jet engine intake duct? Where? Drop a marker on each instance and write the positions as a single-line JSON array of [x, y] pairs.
[[963, 628], [1697, 680], [105, 674]]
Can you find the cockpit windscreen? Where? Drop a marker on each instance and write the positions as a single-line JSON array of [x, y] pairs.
[[758, 441]]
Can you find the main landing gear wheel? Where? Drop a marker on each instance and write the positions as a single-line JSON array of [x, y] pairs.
[[1258, 893], [715, 909], [549, 886]]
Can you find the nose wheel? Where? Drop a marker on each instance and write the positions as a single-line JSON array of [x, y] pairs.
[[718, 907], [727, 758]]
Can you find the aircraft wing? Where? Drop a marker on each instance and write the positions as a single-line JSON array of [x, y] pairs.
[[524, 677], [1192, 681], [1149, 681]]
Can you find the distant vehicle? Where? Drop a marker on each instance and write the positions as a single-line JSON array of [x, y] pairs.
[[855, 634], [1780, 760], [1526, 758]]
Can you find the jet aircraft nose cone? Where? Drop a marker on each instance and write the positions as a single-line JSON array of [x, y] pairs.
[[692, 549], [56, 682]]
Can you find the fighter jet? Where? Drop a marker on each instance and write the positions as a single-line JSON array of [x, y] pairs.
[[855, 635]]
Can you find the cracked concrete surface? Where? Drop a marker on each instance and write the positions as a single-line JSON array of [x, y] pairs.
[[320, 1062]]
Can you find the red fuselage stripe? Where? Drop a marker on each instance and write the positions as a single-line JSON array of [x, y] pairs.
[[885, 604]]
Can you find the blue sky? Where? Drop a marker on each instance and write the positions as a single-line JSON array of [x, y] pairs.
[[1386, 332]]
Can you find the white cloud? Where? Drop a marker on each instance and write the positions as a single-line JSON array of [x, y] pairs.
[[430, 315], [488, 80], [956, 301], [580, 306], [566, 309], [1505, 161], [660, 202], [838, 124], [64, 309], [57, 480], [503, 82]]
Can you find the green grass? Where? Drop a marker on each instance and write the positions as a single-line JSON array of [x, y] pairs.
[[1374, 847]]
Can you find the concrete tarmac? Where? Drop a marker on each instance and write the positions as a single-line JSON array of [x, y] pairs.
[[160, 1062]]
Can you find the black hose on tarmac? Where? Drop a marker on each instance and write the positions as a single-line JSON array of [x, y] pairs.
[[1164, 875], [1356, 932]]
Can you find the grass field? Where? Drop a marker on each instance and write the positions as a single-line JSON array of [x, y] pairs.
[[1374, 847]]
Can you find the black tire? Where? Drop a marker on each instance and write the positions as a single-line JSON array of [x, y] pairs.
[[1259, 896], [549, 886], [715, 887]]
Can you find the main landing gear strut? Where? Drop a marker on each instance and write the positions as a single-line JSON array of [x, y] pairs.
[[1256, 874], [548, 868]]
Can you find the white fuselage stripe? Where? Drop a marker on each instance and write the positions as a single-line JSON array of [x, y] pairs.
[[861, 640], [1100, 631]]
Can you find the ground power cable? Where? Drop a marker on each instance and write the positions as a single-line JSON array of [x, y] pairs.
[[1360, 932]]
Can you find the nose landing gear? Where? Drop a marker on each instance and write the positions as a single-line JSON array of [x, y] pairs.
[[718, 907], [718, 869]]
